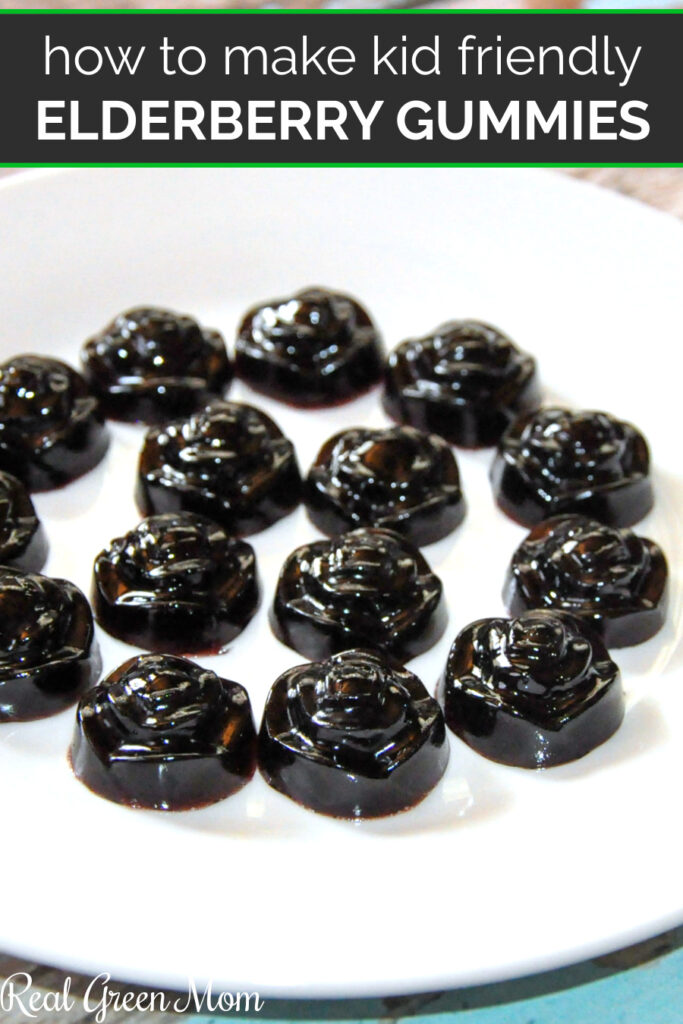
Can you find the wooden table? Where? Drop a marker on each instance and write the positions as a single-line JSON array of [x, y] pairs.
[[660, 187]]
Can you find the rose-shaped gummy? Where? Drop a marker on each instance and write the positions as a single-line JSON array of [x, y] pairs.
[[48, 653], [176, 583], [23, 543], [51, 427], [229, 462], [316, 347], [355, 737], [400, 479], [534, 691], [466, 382], [554, 461], [611, 578], [163, 733], [366, 588], [151, 365]]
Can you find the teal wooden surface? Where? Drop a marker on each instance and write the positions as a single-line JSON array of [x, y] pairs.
[[642, 984]]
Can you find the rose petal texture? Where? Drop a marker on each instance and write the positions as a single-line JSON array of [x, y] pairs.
[[229, 462], [466, 382], [314, 348], [367, 587], [23, 543], [555, 461], [534, 691], [612, 579], [355, 736], [51, 427], [48, 652], [398, 478], [177, 584], [163, 733], [151, 365]]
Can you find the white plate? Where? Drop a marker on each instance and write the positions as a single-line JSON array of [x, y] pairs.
[[500, 871]]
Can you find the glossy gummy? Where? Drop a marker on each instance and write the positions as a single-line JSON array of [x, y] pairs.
[[51, 427], [466, 381], [229, 462], [162, 733], [314, 348], [176, 584], [23, 543], [534, 691], [366, 588], [397, 478], [356, 736], [151, 365], [48, 651], [612, 579], [554, 461]]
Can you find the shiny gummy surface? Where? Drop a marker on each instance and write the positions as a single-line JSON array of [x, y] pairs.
[[176, 584], [555, 461], [48, 651], [314, 348], [612, 579], [367, 587], [398, 479], [51, 428], [162, 732], [229, 462], [151, 365], [23, 541], [355, 736], [466, 381], [534, 691]]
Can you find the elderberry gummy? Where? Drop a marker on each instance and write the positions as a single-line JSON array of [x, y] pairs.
[[176, 584], [48, 651], [398, 478], [466, 381], [51, 427], [314, 348], [355, 736], [554, 461], [23, 543], [229, 462], [163, 733], [151, 365], [534, 691], [612, 579], [365, 588]]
